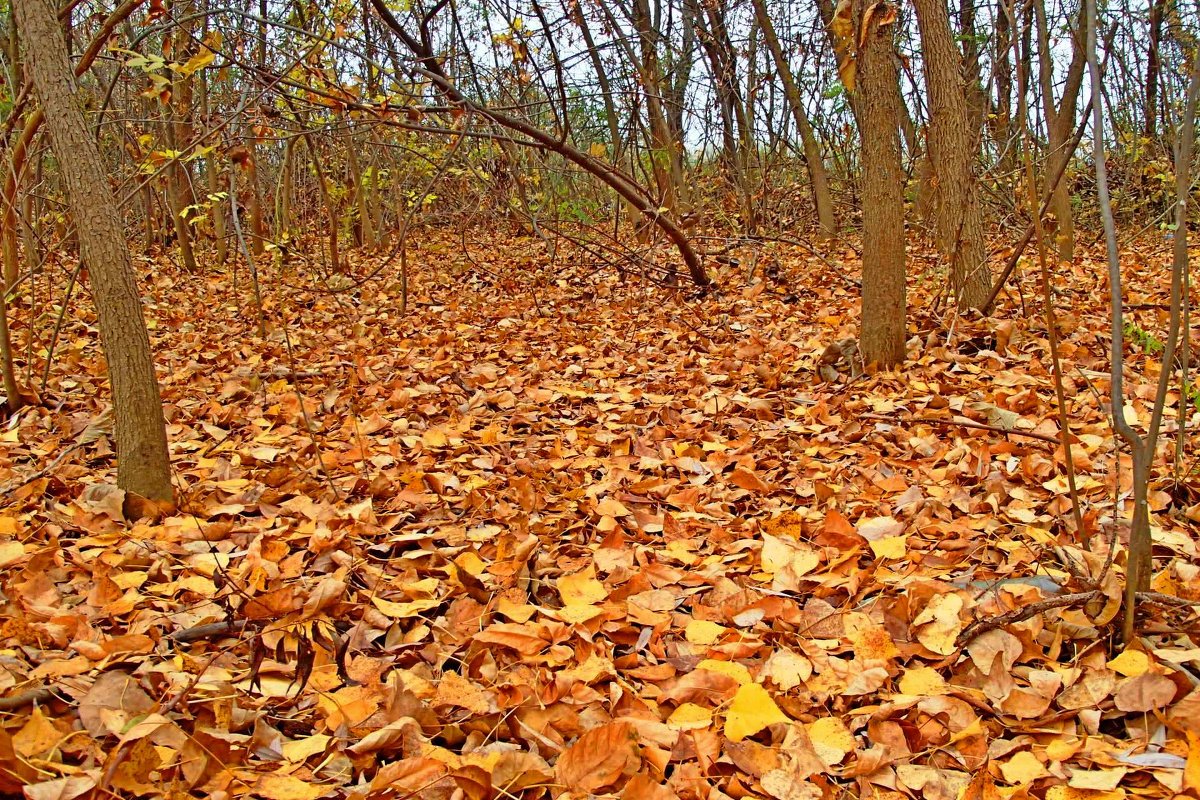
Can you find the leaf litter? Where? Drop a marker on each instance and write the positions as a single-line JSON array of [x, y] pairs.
[[561, 534]]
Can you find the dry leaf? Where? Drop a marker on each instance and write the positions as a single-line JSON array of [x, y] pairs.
[[599, 758], [752, 710]]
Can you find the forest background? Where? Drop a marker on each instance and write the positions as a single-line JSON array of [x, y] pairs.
[[649, 399]]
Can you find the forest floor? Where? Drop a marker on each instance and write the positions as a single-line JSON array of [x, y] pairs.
[[551, 531]]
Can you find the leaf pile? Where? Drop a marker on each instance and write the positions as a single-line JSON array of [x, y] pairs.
[[554, 533]]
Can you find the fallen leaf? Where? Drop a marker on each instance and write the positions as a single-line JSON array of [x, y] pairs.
[[752, 710], [599, 758]]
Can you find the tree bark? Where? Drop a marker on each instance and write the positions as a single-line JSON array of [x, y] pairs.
[[881, 335], [952, 129], [143, 465]]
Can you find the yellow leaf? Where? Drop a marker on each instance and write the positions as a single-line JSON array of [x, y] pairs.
[[1061, 792], [689, 716], [300, 749], [869, 639], [1060, 749], [831, 739], [285, 787], [197, 62], [890, 547], [1130, 663], [10, 553], [787, 670], [470, 563], [776, 553], [731, 668], [514, 611], [404, 610], [938, 624], [455, 690], [581, 588], [1098, 780], [598, 150], [702, 631], [848, 71], [575, 613], [752, 710], [875, 528], [1023, 768], [922, 682], [435, 437], [842, 24]]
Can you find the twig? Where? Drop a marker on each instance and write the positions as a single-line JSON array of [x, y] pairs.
[[965, 423], [1166, 600], [208, 631], [982, 626], [13, 702], [12, 486]]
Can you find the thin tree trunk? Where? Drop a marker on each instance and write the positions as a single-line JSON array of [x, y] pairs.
[[813, 160], [952, 128], [327, 201], [610, 107], [1060, 120], [212, 174], [1001, 125], [366, 236], [881, 335], [143, 465], [663, 147], [1157, 11], [283, 196]]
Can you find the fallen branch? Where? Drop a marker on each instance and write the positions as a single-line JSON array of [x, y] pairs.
[[982, 626], [12, 486], [207, 631], [1166, 600], [966, 423], [13, 702]]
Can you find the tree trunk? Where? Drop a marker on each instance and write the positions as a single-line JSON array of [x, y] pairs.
[[365, 233], [212, 174], [607, 95], [952, 129], [1061, 120], [663, 157], [143, 465], [1157, 11], [1000, 121], [881, 335], [813, 161], [335, 265]]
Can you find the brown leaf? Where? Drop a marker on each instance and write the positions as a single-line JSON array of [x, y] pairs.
[[60, 788], [599, 758], [643, 787], [112, 702], [37, 736], [1145, 693], [525, 639], [746, 479]]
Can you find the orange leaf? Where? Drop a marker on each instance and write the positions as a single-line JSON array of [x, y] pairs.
[[746, 479], [522, 638], [599, 758]]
